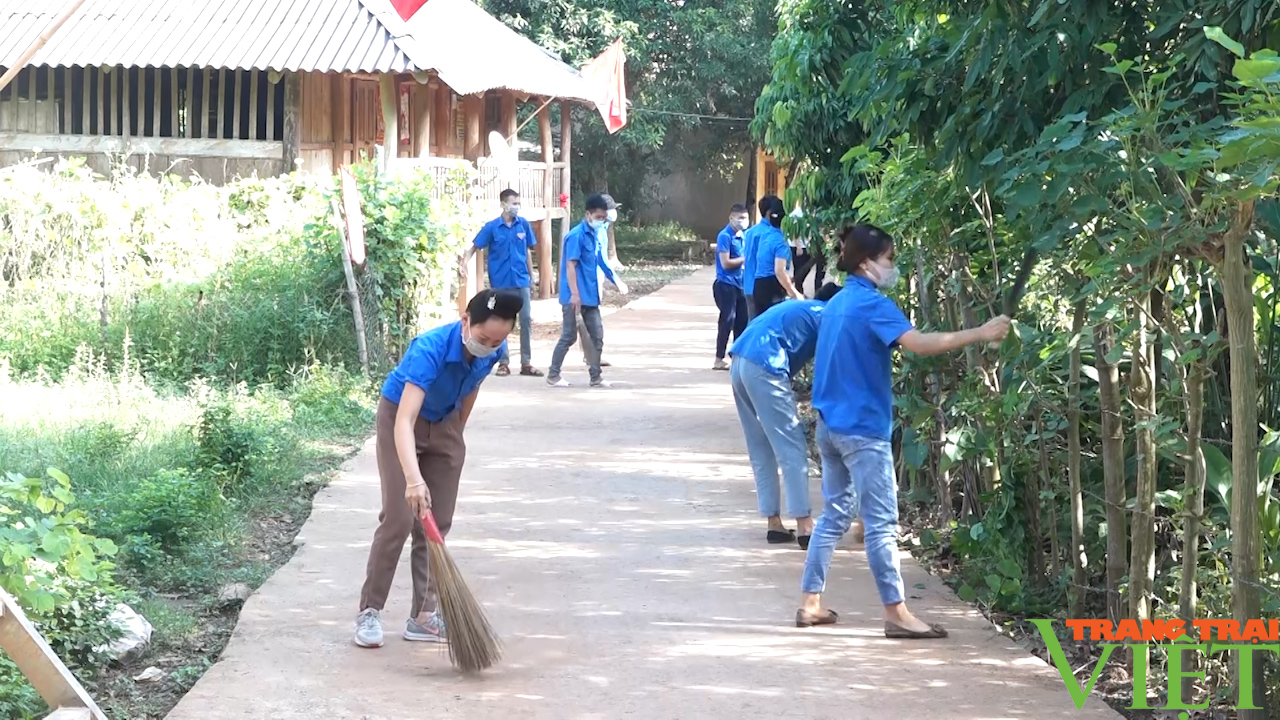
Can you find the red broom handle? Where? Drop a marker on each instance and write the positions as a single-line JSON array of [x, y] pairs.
[[433, 531]]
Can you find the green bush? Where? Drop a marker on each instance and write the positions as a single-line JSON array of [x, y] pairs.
[[666, 241], [169, 511]]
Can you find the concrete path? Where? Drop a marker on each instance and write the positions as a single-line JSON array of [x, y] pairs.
[[613, 537]]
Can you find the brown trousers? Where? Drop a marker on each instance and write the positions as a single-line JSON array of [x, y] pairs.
[[441, 452]]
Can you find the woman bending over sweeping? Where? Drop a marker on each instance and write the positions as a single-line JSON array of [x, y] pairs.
[[853, 396], [424, 408], [772, 350]]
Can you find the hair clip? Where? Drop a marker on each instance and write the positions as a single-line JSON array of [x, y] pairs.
[[493, 300]]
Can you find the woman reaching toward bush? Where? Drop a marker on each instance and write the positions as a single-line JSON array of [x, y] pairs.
[[853, 396]]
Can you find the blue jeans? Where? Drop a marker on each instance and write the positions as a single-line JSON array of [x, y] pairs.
[[857, 469], [526, 328], [775, 437]]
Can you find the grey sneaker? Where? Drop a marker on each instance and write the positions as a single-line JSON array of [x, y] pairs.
[[432, 630], [600, 383], [369, 628], [556, 381]]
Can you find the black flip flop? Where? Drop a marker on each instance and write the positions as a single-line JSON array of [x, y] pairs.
[[897, 632], [781, 537]]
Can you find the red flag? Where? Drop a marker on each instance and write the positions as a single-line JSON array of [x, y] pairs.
[[606, 72], [406, 8]]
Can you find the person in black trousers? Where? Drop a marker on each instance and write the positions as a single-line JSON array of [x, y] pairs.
[[727, 289]]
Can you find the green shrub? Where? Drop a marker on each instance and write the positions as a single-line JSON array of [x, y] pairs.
[[229, 450], [665, 241], [169, 512]]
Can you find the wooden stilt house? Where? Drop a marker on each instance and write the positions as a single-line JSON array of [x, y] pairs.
[[227, 88]]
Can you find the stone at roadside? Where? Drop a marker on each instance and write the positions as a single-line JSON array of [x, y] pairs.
[[234, 594], [151, 674], [135, 635]]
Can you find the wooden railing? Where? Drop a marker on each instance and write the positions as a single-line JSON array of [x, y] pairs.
[[489, 180], [20, 640]]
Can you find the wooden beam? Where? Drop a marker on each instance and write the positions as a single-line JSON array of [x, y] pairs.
[[509, 116], [32, 80], [66, 101], [49, 95], [390, 119], [545, 272], [20, 640], [92, 144], [566, 159], [271, 110], [39, 42], [191, 103], [222, 129], [235, 104], [335, 120], [204, 107], [422, 104], [292, 135], [253, 105], [156, 87], [127, 103], [86, 76], [173, 103]]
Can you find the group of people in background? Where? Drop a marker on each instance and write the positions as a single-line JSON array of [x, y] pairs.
[[848, 332]]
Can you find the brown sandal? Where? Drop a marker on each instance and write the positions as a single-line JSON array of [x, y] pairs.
[[804, 619], [897, 632]]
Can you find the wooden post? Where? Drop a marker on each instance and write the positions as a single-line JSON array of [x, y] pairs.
[[760, 183], [32, 81], [292, 135], [473, 109], [545, 270], [422, 108], [86, 76], [566, 176], [353, 294], [509, 116], [191, 103], [66, 101], [336, 119], [390, 120], [253, 106], [156, 76], [204, 106], [126, 102], [24, 645]]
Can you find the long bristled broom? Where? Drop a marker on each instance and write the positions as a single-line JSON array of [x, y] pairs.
[[473, 643]]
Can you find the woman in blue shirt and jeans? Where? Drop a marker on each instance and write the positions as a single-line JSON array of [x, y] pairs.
[[853, 396]]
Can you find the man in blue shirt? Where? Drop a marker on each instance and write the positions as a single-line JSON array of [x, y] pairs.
[[510, 241], [750, 240], [773, 349], [580, 263], [772, 282], [853, 396], [424, 408], [611, 218], [727, 288]]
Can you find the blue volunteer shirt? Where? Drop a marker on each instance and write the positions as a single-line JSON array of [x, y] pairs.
[[770, 245], [729, 241], [853, 365], [783, 338], [750, 241], [508, 247], [583, 244], [436, 363]]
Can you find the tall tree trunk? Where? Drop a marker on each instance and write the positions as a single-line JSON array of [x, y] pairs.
[[1246, 541], [941, 477], [1079, 560], [1142, 528], [1193, 489], [976, 366], [1031, 505], [1112, 467]]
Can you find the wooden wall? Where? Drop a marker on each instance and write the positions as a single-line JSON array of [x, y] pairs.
[[215, 123]]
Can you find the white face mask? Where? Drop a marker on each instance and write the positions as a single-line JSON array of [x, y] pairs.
[[886, 279], [511, 210], [612, 216], [739, 223], [478, 349]]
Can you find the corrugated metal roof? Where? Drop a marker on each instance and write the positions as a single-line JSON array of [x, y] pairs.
[[309, 35], [469, 49]]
